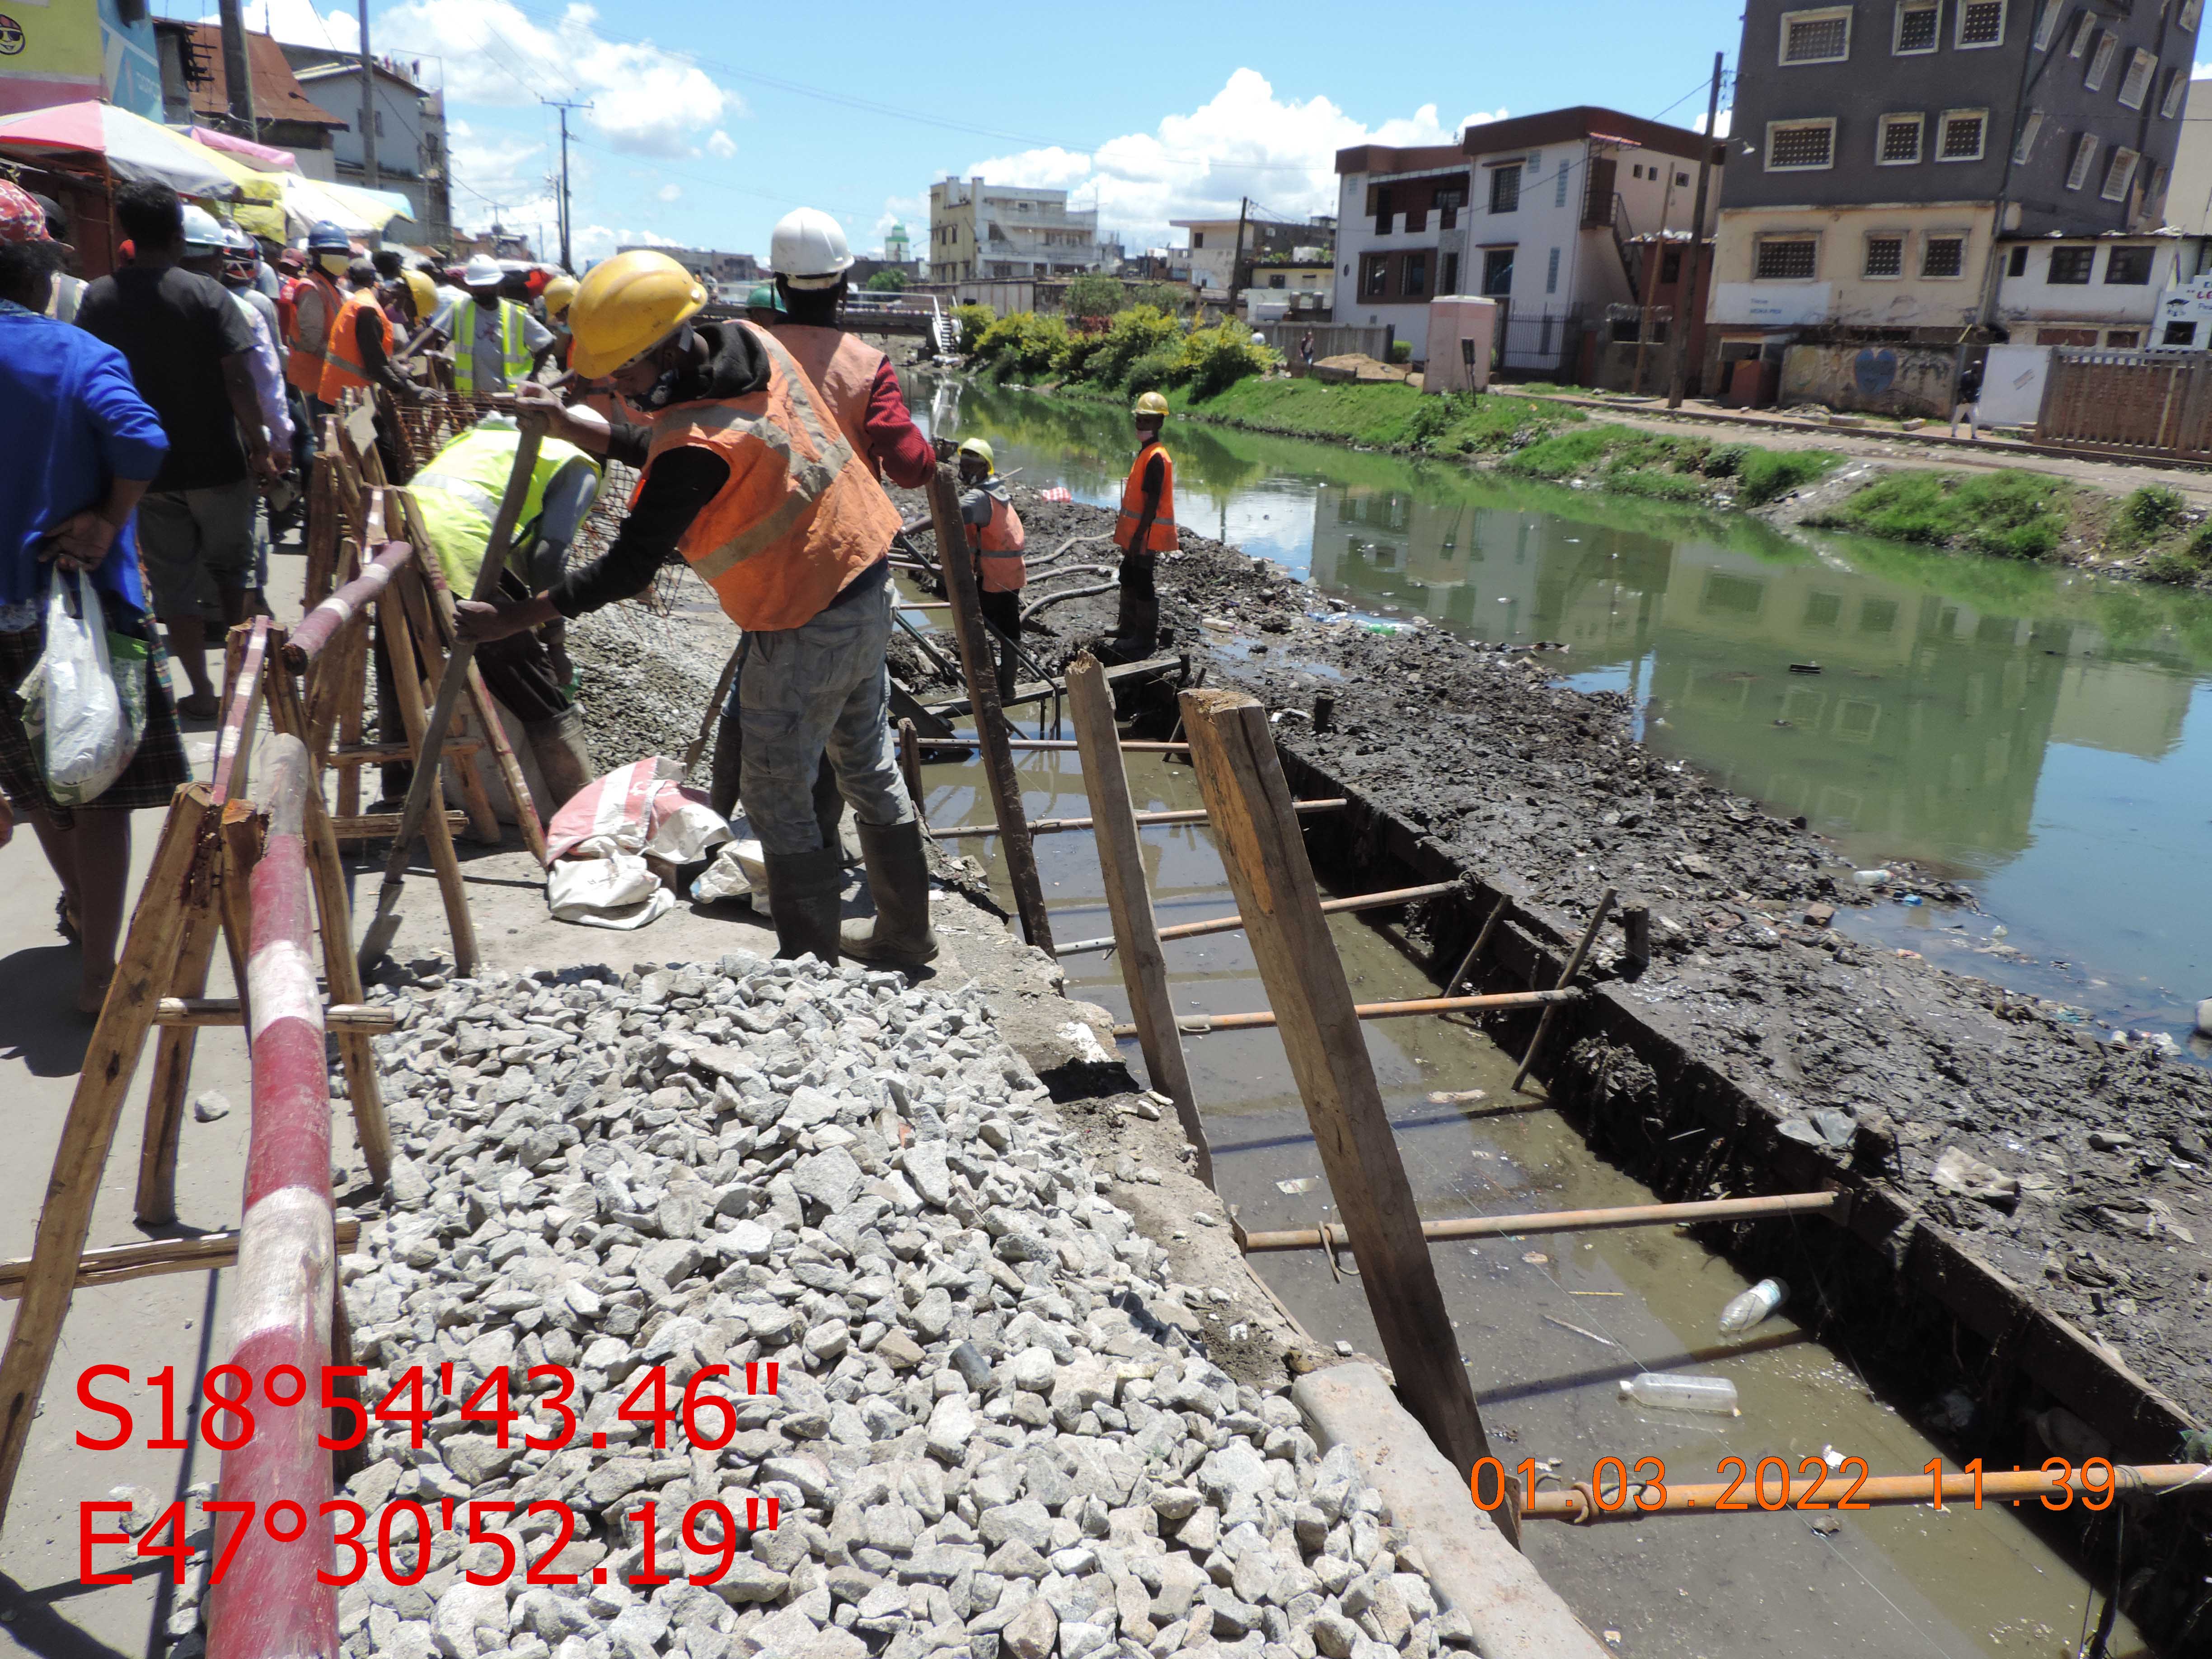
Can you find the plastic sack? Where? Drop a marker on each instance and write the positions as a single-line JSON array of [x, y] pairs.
[[606, 847], [616, 892], [739, 870], [84, 701]]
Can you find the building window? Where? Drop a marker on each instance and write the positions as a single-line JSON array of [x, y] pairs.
[[1197, 240], [1681, 179], [1449, 283], [2176, 88], [2135, 85], [1382, 210], [1800, 146], [1374, 276], [2119, 174], [2085, 30], [2122, 339], [1416, 219], [1551, 272], [1497, 270], [1981, 23], [1449, 202], [2186, 17], [1916, 26], [1816, 37], [1898, 142], [1784, 258], [1670, 267], [1417, 276], [1885, 256], [2180, 334], [1963, 131], [2071, 267], [2130, 265], [2047, 22], [2029, 129], [1505, 187], [2100, 61], [2085, 155], [1942, 255], [2016, 261]]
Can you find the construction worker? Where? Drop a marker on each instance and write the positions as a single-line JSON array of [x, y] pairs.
[[559, 293], [497, 344], [748, 478], [995, 539], [1144, 529], [358, 352], [764, 306], [458, 493], [316, 301]]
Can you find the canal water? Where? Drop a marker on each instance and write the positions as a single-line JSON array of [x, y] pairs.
[[2042, 736]]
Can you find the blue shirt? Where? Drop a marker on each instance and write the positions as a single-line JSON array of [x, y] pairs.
[[71, 421]]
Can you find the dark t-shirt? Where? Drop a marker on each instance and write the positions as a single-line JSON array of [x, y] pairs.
[[174, 327]]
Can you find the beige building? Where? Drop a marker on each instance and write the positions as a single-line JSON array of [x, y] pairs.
[[1000, 232]]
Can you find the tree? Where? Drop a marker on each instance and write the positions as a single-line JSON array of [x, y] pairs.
[[1094, 294], [891, 280]]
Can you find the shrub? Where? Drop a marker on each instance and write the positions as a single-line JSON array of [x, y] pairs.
[[1073, 363], [892, 281], [2014, 515], [1767, 475], [1725, 460], [972, 320], [1213, 360], [1153, 372], [1023, 345], [2154, 507], [1094, 294], [1654, 483], [1135, 334], [1401, 352]]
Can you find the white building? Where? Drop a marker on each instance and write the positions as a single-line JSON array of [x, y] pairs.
[[2093, 290], [1534, 212], [979, 231]]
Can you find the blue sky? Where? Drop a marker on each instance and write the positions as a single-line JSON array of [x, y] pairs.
[[711, 121]]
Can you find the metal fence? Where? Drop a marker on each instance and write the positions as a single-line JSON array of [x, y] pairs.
[[1548, 343], [1330, 339], [2132, 402]]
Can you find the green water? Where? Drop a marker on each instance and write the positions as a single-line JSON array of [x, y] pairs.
[[2040, 735]]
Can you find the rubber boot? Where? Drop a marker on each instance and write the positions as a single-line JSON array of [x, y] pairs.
[[563, 761], [805, 887], [1137, 632], [898, 935]]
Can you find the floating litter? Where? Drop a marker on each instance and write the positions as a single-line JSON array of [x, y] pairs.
[[1536, 1258], [1303, 1184]]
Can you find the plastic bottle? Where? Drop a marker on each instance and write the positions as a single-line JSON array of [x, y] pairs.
[[1754, 1305], [1870, 878], [1716, 1394]]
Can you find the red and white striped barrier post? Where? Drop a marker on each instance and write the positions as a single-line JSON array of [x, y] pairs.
[[269, 1604], [322, 625]]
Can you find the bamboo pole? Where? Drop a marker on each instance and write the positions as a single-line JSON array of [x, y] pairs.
[[1242, 779], [1481, 940], [1835, 1489], [1129, 901], [1058, 826], [1566, 976], [1232, 924], [116, 1264], [1836, 1207], [980, 669], [1200, 1024], [370, 1019]]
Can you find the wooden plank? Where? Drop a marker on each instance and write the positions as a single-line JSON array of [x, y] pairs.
[[1145, 820], [198, 1013], [980, 669], [1335, 907], [156, 1203], [1412, 1008], [1129, 900], [1242, 780], [1037, 690], [119, 1038], [118, 1263], [1836, 1206], [383, 826]]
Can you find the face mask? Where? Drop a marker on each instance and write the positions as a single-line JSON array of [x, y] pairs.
[[336, 263]]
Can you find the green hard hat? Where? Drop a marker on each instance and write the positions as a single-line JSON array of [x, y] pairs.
[[765, 297]]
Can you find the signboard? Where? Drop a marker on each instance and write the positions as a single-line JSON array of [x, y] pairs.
[[1767, 304], [2183, 321], [65, 51]]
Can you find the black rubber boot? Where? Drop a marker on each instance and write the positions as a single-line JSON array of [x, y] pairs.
[[563, 761], [804, 887], [898, 935]]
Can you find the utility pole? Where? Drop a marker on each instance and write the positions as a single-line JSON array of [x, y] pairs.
[[1655, 261], [564, 108], [368, 176], [237, 70], [1689, 288], [1237, 254]]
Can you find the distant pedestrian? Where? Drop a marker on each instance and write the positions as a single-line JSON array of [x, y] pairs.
[[1969, 405], [82, 447], [189, 349], [69, 287], [1306, 352]]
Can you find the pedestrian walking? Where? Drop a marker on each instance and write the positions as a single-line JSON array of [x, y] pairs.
[[82, 447], [1306, 352], [189, 349], [1969, 405]]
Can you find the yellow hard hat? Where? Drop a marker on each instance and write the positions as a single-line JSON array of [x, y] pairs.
[[1151, 403], [558, 293], [625, 306], [425, 292], [981, 446]]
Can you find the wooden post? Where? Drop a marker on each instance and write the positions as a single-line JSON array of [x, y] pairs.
[[422, 627], [391, 618], [1566, 977], [1688, 290], [1241, 777], [149, 948], [980, 669], [1475, 951], [1129, 900], [157, 1202], [910, 763]]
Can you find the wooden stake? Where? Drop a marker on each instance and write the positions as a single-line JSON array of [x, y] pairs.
[[1129, 900], [980, 669], [1232, 924], [422, 627], [437, 830], [198, 1013], [157, 1202], [1566, 977], [1488, 927], [1200, 1024], [1241, 777], [149, 948], [1837, 1206], [1061, 826]]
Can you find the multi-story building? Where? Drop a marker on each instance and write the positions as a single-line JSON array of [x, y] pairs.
[[196, 91], [1220, 265], [1536, 212], [979, 231], [710, 265], [410, 131], [1901, 165]]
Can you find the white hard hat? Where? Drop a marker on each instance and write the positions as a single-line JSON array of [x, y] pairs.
[[808, 249], [484, 271], [203, 231]]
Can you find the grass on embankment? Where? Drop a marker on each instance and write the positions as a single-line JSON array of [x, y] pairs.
[[1674, 469], [1387, 415], [2152, 532]]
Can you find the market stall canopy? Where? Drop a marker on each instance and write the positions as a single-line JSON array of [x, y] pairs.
[[361, 212], [132, 147], [261, 195], [267, 157]]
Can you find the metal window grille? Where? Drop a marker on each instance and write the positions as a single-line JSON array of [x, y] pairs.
[[2129, 265], [1962, 136], [2119, 174], [1900, 139], [2134, 86], [2085, 156], [1820, 37], [2071, 267], [1885, 256], [1803, 144], [1981, 23], [1778, 261], [1916, 22], [1943, 256], [1506, 188]]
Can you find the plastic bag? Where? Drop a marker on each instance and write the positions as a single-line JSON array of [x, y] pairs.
[[84, 702]]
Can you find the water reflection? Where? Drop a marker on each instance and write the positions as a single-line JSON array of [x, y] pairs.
[[2022, 728]]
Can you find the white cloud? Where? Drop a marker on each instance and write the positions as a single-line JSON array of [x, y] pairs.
[[1242, 142], [1720, 125], [594, 242], [644, 100], [912, 211], [721, 144], [296, 23], [670, 193]]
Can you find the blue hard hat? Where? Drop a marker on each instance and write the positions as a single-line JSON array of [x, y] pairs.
[[329, 237]]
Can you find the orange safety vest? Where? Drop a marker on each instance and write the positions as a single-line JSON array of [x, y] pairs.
[[801, 513], [844, 370], [998, 547], [1162, 537], [315, 306], [342, 364]]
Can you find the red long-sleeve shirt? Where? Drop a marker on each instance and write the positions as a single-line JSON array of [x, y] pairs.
[[895, 443]]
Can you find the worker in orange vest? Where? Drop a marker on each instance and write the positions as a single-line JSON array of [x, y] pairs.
[[358, 352], [316, 303], [749, 477], [995, 538], [1144, 529]]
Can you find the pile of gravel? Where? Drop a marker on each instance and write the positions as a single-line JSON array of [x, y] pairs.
[[992, 1435]]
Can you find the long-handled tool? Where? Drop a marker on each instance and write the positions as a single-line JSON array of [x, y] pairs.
[[451, 685], [706, 722]]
